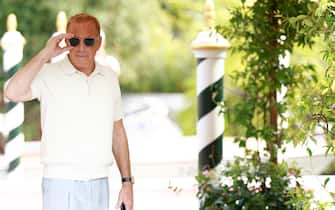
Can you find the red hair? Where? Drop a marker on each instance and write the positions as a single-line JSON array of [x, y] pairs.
[[82, 17]]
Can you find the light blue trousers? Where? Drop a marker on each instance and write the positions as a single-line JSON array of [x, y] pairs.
[[63, 194]]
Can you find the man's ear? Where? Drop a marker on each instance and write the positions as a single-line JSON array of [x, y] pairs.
[[99, 42]]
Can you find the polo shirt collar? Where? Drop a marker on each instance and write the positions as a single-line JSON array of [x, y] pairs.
[[69, 69]]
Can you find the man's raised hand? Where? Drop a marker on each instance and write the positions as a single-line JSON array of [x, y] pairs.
[[52, 47]]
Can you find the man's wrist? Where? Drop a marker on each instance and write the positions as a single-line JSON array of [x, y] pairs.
[[44, 55], [128, 179]]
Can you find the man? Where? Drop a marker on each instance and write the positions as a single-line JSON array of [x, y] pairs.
[[81, 119]]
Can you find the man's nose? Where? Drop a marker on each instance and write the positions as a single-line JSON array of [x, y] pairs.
[[82, 45]]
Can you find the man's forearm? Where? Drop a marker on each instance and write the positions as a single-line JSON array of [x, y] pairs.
[[121, 150], [20, 83], [18, 87]]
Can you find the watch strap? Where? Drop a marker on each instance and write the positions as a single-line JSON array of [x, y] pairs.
[[127, 179]]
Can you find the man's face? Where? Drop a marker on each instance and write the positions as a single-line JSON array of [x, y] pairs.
[[82, 56]]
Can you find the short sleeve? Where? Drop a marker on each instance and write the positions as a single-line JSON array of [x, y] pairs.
[[118, 112], [36, 85]]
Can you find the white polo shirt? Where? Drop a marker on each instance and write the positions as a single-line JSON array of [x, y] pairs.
[[77, 116]]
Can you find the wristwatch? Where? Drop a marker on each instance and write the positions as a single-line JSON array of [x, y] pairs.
[[128, 179]]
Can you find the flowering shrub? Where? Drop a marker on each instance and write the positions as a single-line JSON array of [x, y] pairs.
[[250, 184]]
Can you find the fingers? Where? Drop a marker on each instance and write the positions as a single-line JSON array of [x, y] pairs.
[[118, 203], [128, 206], [67, 48], [55, 40], [62, 36], [125, 196]]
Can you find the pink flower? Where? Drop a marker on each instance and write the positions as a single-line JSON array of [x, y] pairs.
[[205, 172], [292, 172]]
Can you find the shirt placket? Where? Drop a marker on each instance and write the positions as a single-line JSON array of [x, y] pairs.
[[88, 83], [87, 86]]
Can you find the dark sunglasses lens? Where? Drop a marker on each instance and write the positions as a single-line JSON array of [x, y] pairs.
[[74, 42], [89, 41]]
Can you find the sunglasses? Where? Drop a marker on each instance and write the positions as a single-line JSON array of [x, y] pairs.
[[75, 41]]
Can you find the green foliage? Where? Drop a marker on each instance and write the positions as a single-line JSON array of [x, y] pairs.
[[249, 183], [187, 118], [260, 31], [32, 126], [151, 39], [320, 100], [147, 48], [154, 57]]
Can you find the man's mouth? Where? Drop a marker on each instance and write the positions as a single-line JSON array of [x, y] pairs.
[[82, 55]]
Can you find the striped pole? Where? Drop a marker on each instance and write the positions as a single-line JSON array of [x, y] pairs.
[[210, 50], [12, 43]]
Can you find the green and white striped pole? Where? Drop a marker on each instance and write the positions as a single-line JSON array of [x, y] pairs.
[[210, 50], [12, 43]]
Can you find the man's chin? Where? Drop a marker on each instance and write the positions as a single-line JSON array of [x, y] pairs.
[[82, 61], [81, 64]]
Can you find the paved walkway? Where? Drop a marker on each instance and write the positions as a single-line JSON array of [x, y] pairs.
[[159, 167], [153, 189], [150, 194]]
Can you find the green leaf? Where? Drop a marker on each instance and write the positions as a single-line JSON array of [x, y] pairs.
[[242, 143], [325, 91], [308, 22], [325, 182], [309, 152]]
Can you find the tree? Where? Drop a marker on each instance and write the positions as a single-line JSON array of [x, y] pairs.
[[154, 52], [263, 31], [320, 100]]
